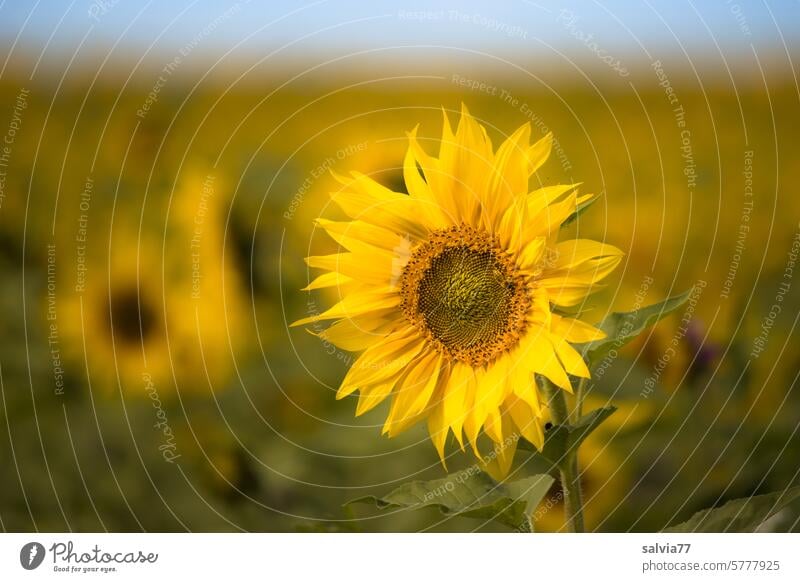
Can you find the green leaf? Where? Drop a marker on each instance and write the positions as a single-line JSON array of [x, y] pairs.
[[471, 493], [528, 492], [560, 440], [739, 515], [578, 211], [621, 328], [586, 425]]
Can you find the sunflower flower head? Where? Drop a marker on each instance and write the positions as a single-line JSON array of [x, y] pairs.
[[450, 292]]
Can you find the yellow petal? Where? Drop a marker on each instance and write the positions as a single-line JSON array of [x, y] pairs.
[[439, 191], [575, 330], [356, 304], [374, 268], [523, 386], [509, 177], [574, 252], [435, 214], [443, 177], [528, 421], [494, 426], [548, 221], [456, 398], [585, 273], [354, 234], [531, 255], [358, 333], [565, 295], [537, 349], [327, 280], [475, 417], [540, 199], [467, 160], [438, 429], [414, 393], [366, 200], [539, 313], [571, 360], [380, 362], [492, 388], [370, 396], [502, 455], [539, 152], [515, 227]]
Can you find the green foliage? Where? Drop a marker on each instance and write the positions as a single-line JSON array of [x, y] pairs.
[[471, 494], [622, 383], [740, 515], [620, 328]]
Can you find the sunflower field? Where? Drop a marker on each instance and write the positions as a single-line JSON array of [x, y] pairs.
[[154, 226]]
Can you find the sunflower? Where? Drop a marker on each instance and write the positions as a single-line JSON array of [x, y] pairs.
[[204, 297], [115, 325], [452, 291], [159, 306]]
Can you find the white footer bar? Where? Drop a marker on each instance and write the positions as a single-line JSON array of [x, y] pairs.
[[400, 557]]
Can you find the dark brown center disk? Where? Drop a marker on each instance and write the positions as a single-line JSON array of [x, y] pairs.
[[463, 292]]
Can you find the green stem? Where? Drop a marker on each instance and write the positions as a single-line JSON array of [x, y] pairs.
[[580, 392], [573, 500], [568, 466], [556, 401]]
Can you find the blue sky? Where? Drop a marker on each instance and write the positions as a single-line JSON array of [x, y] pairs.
[[329, 25]]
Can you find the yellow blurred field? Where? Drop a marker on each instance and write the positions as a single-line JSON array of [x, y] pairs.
[[152, 257]]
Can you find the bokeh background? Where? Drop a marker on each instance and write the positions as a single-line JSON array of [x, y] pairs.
[[160, 170]]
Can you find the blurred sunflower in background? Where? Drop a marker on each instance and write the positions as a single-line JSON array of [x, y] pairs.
[[205, 298], [450, 290], [159, 303], [115, 322]]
